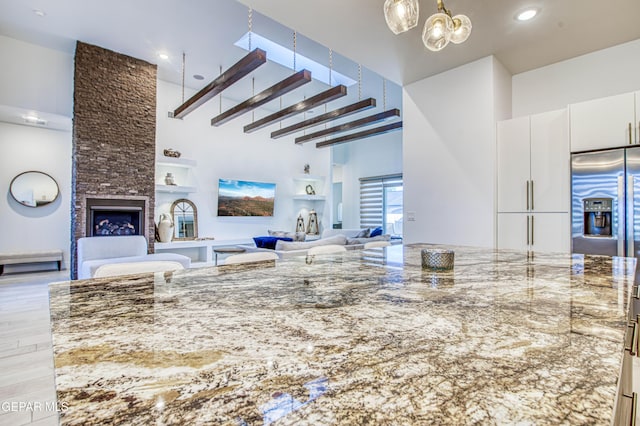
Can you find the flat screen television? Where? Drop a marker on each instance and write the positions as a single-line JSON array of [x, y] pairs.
[[245, 198]]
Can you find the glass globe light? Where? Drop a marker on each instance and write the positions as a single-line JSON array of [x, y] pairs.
[[461, 29], [401, 15], [437, 31]]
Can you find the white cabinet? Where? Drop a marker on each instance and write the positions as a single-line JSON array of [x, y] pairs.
[[181, 169], [541, 232], [514, 164], [550, 162], [637, 122], [533, 187], [604, 123], [512, 231], [533, 163]]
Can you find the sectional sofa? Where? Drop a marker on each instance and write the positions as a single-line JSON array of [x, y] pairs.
[[346, 237]]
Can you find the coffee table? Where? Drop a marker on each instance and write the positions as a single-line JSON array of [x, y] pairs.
[[225, 250]]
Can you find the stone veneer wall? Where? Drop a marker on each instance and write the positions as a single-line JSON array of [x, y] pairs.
[[114, 127]]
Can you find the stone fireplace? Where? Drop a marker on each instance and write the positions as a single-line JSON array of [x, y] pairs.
[[115, 216], [113, 165]]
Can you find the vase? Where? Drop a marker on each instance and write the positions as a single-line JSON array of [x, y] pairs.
[[169, 179], [165, 228]]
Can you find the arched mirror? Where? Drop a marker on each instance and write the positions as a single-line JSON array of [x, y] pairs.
[[185, 220], [34, 189]]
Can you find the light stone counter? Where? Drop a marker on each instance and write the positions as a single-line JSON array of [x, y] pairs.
[[367, 337]]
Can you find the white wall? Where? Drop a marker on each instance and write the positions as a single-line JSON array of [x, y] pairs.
[[36, 78], [24, 228], [449, 154], [39, 79], [603, 73], [227, 152], [376, 156]]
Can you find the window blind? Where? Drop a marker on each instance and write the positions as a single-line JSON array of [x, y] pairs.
[[372, 199]]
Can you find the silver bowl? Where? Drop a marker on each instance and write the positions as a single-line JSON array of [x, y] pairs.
[[437, 258]]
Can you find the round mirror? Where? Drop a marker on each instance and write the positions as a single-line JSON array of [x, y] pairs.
[[185, 219], [34, 189]]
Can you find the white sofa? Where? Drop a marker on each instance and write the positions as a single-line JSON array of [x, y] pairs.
[[94, 252], [344, 237]]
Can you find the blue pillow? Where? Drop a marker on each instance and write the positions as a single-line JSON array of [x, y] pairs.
[[269, 242], [376, 232]]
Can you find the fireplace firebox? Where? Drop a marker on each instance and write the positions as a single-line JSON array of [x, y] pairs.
[[114, 217]]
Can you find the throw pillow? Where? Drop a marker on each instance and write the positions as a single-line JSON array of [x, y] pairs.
[[363, 233], [376, 232], [269, 242], [296, 236]]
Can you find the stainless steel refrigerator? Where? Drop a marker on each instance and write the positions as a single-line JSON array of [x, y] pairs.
[[605, 206]]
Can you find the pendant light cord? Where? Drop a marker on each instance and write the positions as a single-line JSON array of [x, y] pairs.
[[250, 26], [359, 82], [295, 45], [183, 60]]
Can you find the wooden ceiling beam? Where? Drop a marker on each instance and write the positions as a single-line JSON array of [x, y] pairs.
[[240, 69], [302, 106], [285, 86], [376, 118], [361, 135], [329, 116]]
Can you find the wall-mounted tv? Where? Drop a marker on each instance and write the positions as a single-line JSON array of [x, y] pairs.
[[245, 198]]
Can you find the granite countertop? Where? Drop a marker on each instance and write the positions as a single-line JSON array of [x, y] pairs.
[[367, 337]]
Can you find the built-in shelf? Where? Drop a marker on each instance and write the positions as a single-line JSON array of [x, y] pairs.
[[176, 162], [175, 188], [302, 182], [309, 197], [200, 251], [182, 171], [309, 178]]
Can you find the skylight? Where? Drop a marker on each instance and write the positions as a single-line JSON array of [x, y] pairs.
[[284, 56]]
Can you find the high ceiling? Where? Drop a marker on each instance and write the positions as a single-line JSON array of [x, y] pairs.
[[206, 30], [563, 29]]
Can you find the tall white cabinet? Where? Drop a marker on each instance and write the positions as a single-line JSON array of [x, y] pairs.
[[533, 183], [609, 122]]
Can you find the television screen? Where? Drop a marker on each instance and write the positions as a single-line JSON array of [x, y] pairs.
[[244, 198]]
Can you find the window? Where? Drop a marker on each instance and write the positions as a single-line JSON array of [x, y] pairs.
[[381, 203]]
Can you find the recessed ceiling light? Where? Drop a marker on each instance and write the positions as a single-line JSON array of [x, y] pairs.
[[39, 12], [163, 56], [198, 77], [525, 15]]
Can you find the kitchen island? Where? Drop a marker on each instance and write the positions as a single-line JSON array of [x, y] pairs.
[[365, 337]]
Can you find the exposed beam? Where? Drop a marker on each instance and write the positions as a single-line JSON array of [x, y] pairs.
[[240, 69], [361, 135], [319, 99], [329, 116], [376, 118], [285, 86]]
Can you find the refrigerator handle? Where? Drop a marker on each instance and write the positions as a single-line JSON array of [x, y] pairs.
[[527, 227], [631, 180], [620, 230], [527, 198], [532, 208]]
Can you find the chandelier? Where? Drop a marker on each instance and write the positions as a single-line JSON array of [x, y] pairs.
[[440, 29]]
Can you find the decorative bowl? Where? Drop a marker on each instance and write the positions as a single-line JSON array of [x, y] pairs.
[[433, 258]]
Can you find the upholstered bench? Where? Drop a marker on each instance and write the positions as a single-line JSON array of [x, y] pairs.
[[32, 256]]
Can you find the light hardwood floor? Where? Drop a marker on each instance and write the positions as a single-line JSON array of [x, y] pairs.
[[27, 383]]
